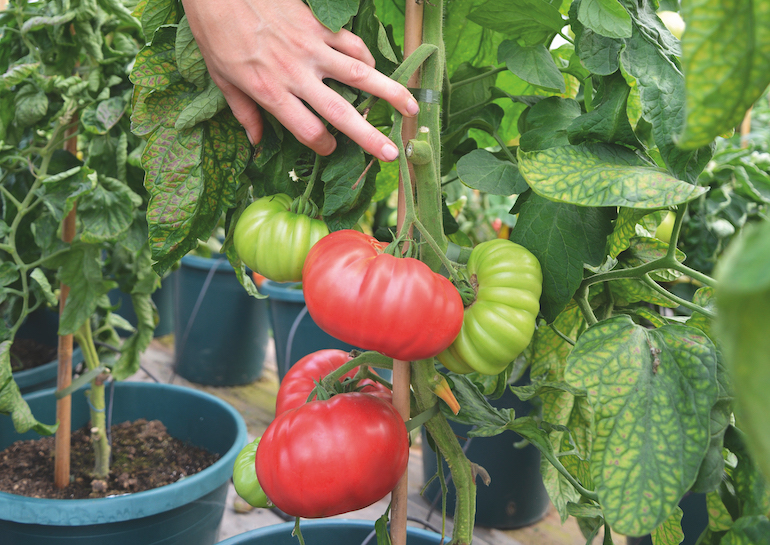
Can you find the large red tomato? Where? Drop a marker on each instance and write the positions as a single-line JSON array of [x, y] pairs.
[[362, 296], [303, 375], [333, 456]]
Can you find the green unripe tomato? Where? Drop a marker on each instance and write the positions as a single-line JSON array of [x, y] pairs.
[[499, 324], [245, 476], [673, 22], [273, 241], [663, 232]]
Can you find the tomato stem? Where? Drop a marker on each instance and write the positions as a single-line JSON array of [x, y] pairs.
[[371, 358], [447, 444], [304, 204]]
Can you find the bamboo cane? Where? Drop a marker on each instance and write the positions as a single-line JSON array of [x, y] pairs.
[[402, 369], [64, 377]]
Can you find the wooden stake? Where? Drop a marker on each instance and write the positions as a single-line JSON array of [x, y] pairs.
[[746, 129], [64, 378], [402, 371]]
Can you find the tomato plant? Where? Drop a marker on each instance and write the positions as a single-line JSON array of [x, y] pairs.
[[499, 323], [245, 476], [329, 457], [72, 201], [274, 241], [377, 301], [304, 375], [579, 124]]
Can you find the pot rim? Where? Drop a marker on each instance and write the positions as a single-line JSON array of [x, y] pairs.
[[308, 525]]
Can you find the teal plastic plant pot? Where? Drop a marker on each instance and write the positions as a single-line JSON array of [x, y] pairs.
[[220, 332], [295, 333], [42, 326], [324, 532], [695, 520], [516, 497], [188, 511]]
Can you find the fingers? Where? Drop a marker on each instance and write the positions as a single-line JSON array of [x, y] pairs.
[[245, 111], [342, 115], [354, 66]]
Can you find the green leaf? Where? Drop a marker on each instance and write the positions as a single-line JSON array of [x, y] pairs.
[[725, 56], [68, 183], [44, 286], [529, 21], [31, 105], [475, 409], [146, 317], [161, 107], [155, 66], [670, 532], [80, 268], [719, 518], [334, 14], [748, 531], [107, 211], [625, 230], [545, 124], [743, 297], [563, 237], [346, 166], [602, 175], [598, 54], [481, 170], [189, 58], [652, 392], [42, 21], [192, 177], [606, 17], [203, 106], [158, 13], [99, 118], [534, 64], [608, 121], [11, 402], [751, 490], [16, 74], [646, 249], [651, 57], [368, 27]]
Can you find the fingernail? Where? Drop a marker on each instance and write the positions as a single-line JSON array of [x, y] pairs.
[[389, 152], [248, 135], [412, 107]]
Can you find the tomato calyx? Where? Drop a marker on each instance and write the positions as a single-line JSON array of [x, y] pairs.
[[468, 290], [325, 389], [305, 206]]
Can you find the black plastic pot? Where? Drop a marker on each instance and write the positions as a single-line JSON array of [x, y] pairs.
[[220, 331], [516, 496]]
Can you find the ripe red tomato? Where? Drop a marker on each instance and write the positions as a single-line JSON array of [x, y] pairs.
[[396, 306], [329, 457], [303, 375]]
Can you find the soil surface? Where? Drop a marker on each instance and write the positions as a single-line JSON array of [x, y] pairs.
[[28, 354], [144, 456]]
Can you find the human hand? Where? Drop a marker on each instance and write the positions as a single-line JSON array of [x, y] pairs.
[[275, 53]]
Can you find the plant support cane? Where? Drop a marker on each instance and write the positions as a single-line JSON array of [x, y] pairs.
[[402, 369], [64, 376]]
